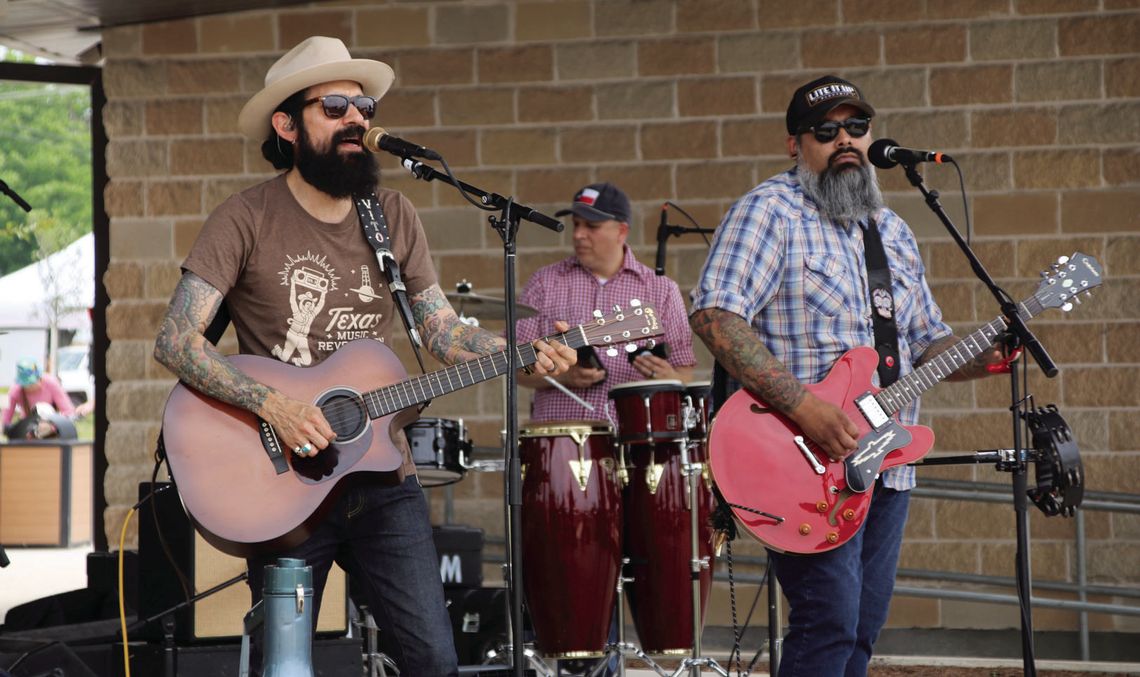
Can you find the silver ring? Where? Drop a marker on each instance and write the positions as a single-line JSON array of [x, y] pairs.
[[297, 450], [307, 448], [653, 374]]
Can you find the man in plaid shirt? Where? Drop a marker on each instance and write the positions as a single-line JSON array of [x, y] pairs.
[[785, 293], [602, 273]]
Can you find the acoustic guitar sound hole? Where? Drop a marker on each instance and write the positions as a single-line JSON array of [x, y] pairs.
[[345, 412]]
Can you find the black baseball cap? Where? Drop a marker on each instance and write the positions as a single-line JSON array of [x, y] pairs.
[[599, 202], [812, 102]]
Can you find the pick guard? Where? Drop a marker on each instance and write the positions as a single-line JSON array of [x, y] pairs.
[[863, 466]]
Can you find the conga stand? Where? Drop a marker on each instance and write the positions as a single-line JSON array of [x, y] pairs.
[[622, 648], [692, 471]]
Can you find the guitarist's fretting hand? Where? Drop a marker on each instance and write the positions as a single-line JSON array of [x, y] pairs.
[[827, 425]]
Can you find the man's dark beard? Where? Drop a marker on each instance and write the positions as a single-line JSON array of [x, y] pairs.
[[843, 193], [332, 173]]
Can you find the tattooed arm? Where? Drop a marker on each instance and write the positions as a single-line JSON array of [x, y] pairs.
[[975, 368], [181, 347], [740, 351], [452, 341]]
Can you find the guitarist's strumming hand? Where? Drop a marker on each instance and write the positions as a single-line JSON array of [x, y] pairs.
[[827, 425], [301, 427]]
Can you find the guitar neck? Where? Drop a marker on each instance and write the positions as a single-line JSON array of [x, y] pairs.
[[910, 387], [414, 391]]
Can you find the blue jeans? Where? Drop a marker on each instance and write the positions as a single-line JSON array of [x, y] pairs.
[[838, 600], [381, 536]]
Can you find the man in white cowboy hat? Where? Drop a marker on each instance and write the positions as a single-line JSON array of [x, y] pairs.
[[290, 260]]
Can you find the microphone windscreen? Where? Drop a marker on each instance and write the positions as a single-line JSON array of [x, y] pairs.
[[877, 153], [372, 139]]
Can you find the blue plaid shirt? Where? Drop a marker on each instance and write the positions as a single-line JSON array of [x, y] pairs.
[[801, 281]]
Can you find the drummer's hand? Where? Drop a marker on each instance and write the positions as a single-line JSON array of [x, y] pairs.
[[582, 377], [552, 359], [654, 367]]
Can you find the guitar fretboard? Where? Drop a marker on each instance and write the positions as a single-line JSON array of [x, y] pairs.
[[393, 398], [910, 387]]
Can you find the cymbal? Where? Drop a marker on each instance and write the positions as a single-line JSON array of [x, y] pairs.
[[486, 307]]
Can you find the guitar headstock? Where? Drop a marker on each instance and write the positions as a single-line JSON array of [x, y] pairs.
[[1067, 280], [635, 323]]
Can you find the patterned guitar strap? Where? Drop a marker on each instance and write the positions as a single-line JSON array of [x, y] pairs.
[[376, 232], [882, 306]]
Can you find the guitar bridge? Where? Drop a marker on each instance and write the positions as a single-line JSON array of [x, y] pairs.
[[872, 410]]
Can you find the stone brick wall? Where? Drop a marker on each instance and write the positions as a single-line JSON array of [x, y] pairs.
[[684, 101]]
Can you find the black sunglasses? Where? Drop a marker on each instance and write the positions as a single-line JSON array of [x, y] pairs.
[[336, 105], [826, 131]]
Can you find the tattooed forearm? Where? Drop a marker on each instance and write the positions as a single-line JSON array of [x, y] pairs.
[[450, 340], [182, 348], [736, 346]]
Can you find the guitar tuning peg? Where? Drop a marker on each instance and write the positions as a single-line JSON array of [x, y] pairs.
[[1077, 300], [651, 342], [629, 347], [598, 314], [635, 303], [617, 308], [1067, 307], [1062, 260], [612, 351]]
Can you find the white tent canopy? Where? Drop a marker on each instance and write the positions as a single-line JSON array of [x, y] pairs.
[[64, 283]]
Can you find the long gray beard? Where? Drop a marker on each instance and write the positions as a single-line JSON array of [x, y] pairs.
[[844, 196]]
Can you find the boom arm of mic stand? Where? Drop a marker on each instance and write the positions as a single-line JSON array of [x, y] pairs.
[[1015, 324], [517, 211], [678, 231]]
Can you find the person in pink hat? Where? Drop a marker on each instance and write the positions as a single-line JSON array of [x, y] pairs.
[[290, 261]]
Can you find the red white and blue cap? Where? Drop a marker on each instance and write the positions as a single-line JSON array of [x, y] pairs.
[[600, 202]]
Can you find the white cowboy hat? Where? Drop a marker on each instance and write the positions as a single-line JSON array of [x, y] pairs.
[[315, 60]]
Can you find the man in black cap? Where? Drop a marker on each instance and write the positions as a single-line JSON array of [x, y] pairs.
[[785, 292], [603, 272]]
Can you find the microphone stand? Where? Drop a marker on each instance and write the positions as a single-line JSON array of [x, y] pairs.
[[506, 225], [667, 230], [1019, 459]]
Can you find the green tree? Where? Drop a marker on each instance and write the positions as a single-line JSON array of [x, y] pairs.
[[45, 156]]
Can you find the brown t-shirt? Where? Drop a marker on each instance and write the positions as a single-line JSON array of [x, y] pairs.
[[298, 288]]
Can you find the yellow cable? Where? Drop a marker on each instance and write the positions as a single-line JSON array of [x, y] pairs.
[[122, 596]]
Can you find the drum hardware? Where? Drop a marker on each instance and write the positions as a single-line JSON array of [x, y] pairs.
[[622, 648], [503, 654], [440, 449], [653, 472], [487, 307], [581, 470]]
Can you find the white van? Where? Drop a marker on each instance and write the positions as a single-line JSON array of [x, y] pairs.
[[73, 368]]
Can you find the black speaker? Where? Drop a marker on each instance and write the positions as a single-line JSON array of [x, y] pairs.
[[50, 660], [219, 615]]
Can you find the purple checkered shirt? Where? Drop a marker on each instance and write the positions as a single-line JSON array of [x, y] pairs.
[[567, 291]]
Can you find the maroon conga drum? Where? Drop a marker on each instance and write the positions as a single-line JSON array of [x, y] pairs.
[[571, 534], [648, 411], [657, 543]]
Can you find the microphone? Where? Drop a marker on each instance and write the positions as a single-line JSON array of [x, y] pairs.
[[662, 238], [377, 139], [886, 153]]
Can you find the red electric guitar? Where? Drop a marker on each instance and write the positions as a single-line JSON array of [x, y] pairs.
[[787, 493], [245, 494]]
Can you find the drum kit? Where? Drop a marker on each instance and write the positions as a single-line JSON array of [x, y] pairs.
[[596, 500]]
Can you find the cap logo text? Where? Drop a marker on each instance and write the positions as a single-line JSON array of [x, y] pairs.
[[832, 91]]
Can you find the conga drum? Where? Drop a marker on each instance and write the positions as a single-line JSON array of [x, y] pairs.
[[657, 542], [571, 534], [649, 411]]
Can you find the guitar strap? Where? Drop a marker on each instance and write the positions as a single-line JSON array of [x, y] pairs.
[[882, 306], [376, 232]]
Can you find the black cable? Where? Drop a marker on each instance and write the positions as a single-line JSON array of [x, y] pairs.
[[690, 218], [183, 579]]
